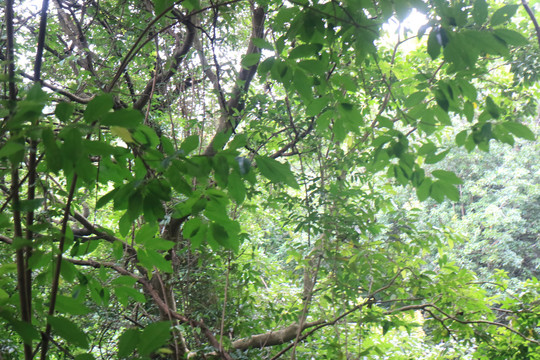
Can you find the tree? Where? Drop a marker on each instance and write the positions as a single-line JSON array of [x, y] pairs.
[[210, 177]]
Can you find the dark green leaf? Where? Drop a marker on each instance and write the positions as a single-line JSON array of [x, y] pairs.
[[26, 331], [97, 107], [69, 305], [128, 342], [275, 171], [161, 5], [492, 108], [511, 37], [11, 147], [64, 110], [52, 151], [126, 118], [153, 337], [85, 357], [69, 331]]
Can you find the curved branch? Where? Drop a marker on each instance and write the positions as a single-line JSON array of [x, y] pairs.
[[533, 19]]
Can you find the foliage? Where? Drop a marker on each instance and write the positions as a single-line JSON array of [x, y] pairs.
[[167, 197]]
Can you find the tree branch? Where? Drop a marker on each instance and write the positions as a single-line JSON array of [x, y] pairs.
[[533, 19], [165, 75], [229, 120], [56, 276], [272, 338]]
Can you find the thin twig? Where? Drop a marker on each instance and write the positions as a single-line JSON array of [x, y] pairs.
[[56, 277]]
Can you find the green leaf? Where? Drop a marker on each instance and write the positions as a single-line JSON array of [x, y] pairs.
[[69, 305], [151, 258], [480, 11], [69, 331], [161, 5], [422, 191], [415, 98], [435, 158], [236, 188], [11, 147], [442, 188], [52, 151], [25, 330], [195, 231], [250, 60], [146, 233], [128, 342], [191, 5], [468, 111], [153, 337], [135, 205], [317, 105], [145, 135], [220, 235], [428, 148], [275, 171], [304, 51], [492, 108], [152, 208], [447, 176], [124, 225], [511, 37], [243, 164], [262, 44], [519, 130], [159, 244], [85, 357], [442, 100], [461, 138], [503, 14], [125, 118], [64, 110], [124, 293], [97, 107], [302, 85], [102, 201]]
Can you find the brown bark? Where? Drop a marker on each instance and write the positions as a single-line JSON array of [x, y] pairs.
[[533, 19], [230, 119], [272, 338], [165, 75]]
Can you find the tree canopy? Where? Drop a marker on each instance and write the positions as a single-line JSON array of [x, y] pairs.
[[263, 179]]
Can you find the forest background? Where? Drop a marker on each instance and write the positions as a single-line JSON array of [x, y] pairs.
[[262, 179]]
